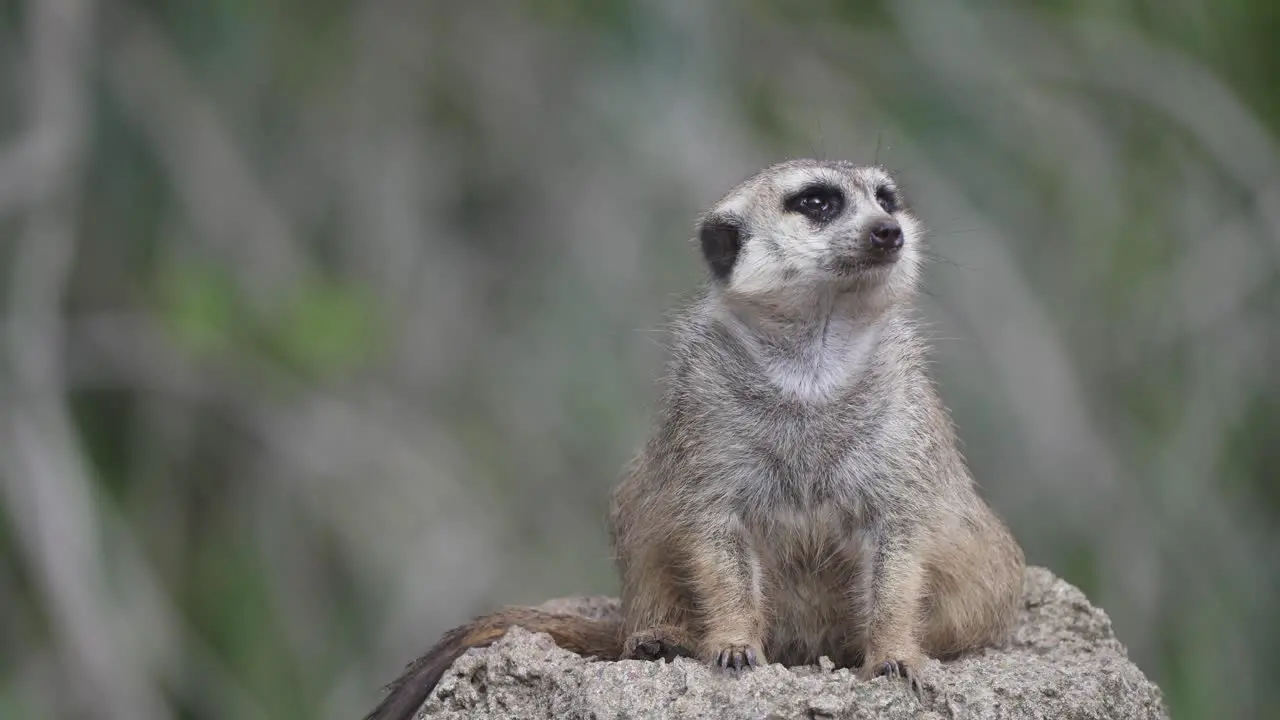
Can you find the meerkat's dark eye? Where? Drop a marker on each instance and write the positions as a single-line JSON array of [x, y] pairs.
[[820, 203], [888, 199]]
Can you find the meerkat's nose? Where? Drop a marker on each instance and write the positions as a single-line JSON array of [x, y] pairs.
[[886, 235]]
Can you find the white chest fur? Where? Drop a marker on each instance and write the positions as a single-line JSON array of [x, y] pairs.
[[821, 367]]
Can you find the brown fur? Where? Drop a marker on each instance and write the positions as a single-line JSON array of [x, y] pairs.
[[802, 494], [587, 636]]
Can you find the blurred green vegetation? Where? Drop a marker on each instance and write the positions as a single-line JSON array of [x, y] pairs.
[[363, 307]]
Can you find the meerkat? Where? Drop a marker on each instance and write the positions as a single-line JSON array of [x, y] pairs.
[[802, 493]]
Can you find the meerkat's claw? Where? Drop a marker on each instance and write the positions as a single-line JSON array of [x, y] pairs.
[[899, 670], [738, 657]]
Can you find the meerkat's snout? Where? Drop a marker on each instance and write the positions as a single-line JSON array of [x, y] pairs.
[[885, 236], [875, 246]]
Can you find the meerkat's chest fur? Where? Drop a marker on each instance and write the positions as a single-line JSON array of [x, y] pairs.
[[801, 429]]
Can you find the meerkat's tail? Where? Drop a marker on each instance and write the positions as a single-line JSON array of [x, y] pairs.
[[590, 637]]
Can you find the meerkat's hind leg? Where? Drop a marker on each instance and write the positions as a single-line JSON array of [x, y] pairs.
[[654, 611], [661, 642], [975, 590]]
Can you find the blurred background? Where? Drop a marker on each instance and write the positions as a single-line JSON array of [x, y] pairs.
[[328, 324]]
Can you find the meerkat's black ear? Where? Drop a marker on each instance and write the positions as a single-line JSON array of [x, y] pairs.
[[721, 240]]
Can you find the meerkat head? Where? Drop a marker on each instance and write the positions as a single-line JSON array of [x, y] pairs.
[[805, 226]]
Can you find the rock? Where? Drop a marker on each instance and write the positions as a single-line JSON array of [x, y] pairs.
[[1063, 661]]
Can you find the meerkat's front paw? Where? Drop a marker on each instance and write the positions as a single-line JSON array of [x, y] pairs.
[[739, 657], [896, 669], [663, 642]]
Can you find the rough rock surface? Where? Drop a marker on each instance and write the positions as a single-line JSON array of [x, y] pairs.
[[1062, 662]]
